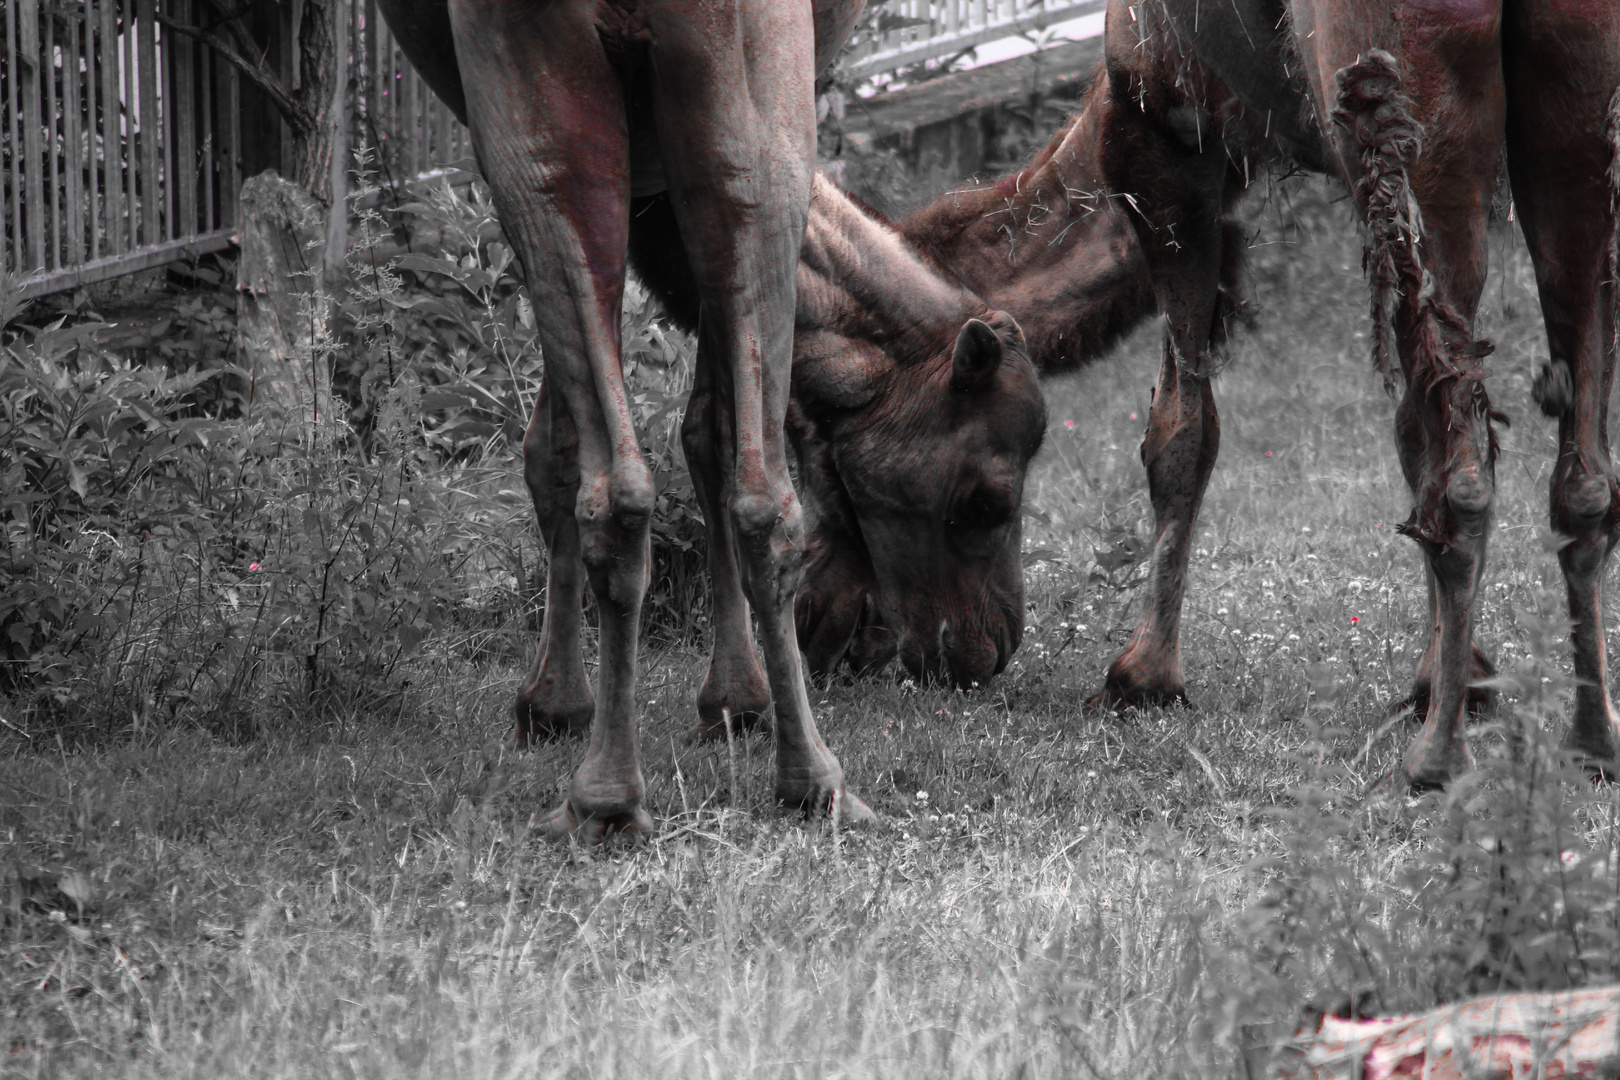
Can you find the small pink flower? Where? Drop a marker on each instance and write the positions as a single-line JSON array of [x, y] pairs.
[[1268, 453], [1069, 424], [255, 566]]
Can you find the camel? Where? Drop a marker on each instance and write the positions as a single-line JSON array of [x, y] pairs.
[[1410, 104], [1039, 246], [679, 136]]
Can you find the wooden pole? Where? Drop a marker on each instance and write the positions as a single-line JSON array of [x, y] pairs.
[[29, 61], [54, 147], [337, 230], [111, 174], [91, 184], [182, 62], [129, 159], [72, 154], [151, 127]]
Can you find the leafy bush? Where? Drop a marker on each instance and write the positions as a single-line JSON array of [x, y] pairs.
[[95, 455], [175, 547]]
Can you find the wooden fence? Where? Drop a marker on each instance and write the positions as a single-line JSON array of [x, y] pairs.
[[123, 143]]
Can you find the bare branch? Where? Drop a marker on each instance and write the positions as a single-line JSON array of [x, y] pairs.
[[298, 118]]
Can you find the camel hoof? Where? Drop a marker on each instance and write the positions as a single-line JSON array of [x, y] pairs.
[[1428, 768], [825, 798], [1118, 699], [565, 822], [1597, 753], [1479, 701]]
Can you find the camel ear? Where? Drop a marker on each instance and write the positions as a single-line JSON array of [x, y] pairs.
[[980, 348]]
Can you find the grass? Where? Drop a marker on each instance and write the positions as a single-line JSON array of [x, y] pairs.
[[1051, 893]]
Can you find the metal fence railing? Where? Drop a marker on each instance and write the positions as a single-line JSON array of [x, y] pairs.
[[911, 31], [123, 143]]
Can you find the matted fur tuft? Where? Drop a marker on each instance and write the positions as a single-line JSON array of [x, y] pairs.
[[1443, 359]]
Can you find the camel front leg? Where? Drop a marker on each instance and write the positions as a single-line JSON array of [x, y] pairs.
[[1174, 196], [1405, 142], [736, 122], [1481, 699], [1179, 450]]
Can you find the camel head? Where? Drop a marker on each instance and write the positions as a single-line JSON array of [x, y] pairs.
[[912, 475]]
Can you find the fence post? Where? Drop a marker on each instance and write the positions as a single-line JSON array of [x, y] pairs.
[[151, 128], [34, 188], [281, 226], [337, 230]]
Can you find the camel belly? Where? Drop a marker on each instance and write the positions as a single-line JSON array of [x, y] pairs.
[[646, 166], [1246, 44]]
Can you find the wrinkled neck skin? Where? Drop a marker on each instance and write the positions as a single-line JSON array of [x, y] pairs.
[[1046, 246], [861, 282]]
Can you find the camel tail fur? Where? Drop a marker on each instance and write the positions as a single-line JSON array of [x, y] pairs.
[[1443, 360], [1378, 117]]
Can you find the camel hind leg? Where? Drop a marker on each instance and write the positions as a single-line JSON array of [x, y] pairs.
[[735, 685], [1562, 66], [556, 698], [1422, 131]]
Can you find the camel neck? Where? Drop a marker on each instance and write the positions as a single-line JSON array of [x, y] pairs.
[[859, 277], [1047, 246]]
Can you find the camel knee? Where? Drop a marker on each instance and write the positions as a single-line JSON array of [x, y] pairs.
[[614, 515], [1582, 503], [631, 498], [760, 512], [1586, 509], [770, 529], [1469, 492]]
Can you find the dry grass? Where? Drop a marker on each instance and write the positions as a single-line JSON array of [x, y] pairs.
[[1050, 894]]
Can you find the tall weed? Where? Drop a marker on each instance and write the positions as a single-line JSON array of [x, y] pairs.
[[1381, 903]]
